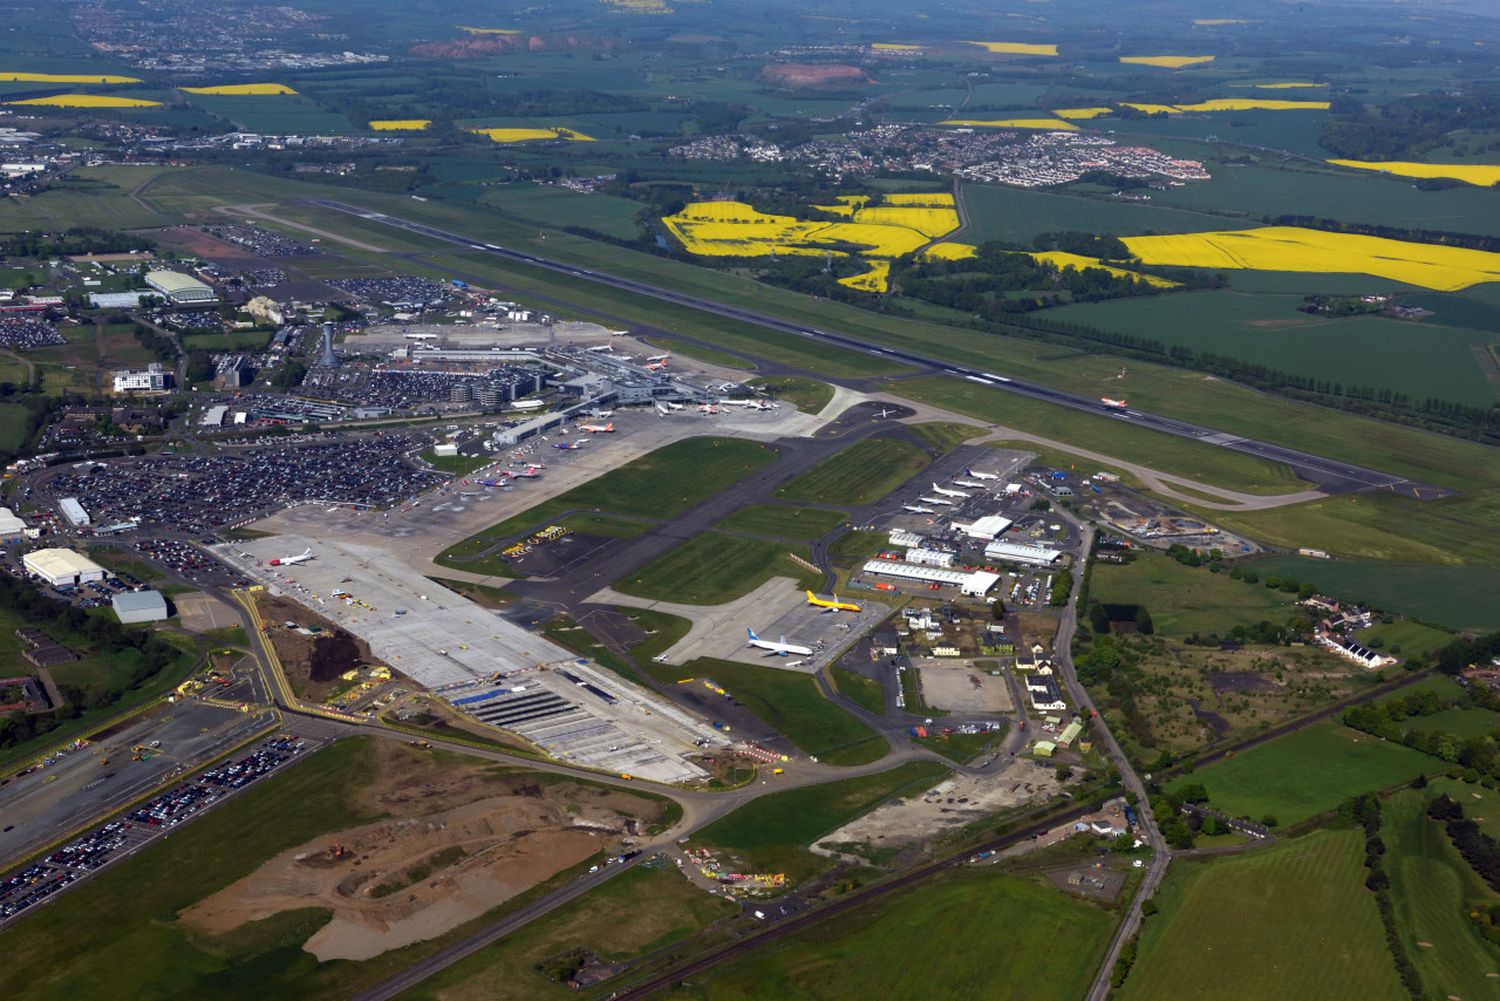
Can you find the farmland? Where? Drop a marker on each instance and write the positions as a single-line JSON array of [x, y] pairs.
[[712, 568], [772, 833], [1483, 175], [1303, 926], [1308, 773], [1455, 597], [1185, 600], [242, 90], [861, 474], [791, 703], [912, 945], [87, 101]]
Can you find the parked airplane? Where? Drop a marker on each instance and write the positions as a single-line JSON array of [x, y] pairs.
[[936, 500], [947, 493], [968, 484], [832, 606], [598, 428], [287, 561], [916, 509], [969, 471], [661, 409], [655, 366], [673, 406], [1115, 404], [570, 446], [780, 649], [529, 473], [708, 410]]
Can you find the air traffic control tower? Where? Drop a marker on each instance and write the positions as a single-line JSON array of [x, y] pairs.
[[328, 358]]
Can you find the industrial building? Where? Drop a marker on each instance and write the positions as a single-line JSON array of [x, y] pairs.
[[154, 378], [73, 512], [976, 584], [929, 557], [140, 606], [214, 416], [62, 567], [11, 527], [180, 289], [1010, 552], [115, 300], [985, 529]]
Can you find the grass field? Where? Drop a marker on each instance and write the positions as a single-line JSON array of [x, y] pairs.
[[1431, 888], [1465, 723], [1017, 215], [662, 484], [860, 474], [712, 568], [14, 422], [553, 206], [1290, 921], [1408, 638], [771, 833], [790, 702], [867, 693], [807, 395], [636, 913], [785, 521], [928, 942], [1455, 597], [1307, 773], [1185, 600], [458, 465]]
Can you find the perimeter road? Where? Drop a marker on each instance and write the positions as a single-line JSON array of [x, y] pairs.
[[1329, 474]]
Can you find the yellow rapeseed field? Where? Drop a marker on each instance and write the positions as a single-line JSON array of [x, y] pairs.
[[1053, 124], [1082, 113], [1018, 48], [896, 47], [88, 101], [1482, 174], [1291, 248], [1153, 109], [241, 89], [13, 77], [932, 198], [951, 251], [1060, 259], [488, 31], [1166, 62], [1287, 85], [502, 135], [878, 240], [877, 279], [734, 229], [401, 124], [1253, 104]]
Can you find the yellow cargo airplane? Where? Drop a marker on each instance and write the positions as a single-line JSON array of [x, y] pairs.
[[833, 606]]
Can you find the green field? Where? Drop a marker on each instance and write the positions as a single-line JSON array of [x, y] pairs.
[[807, 395], [1431, 888], [1017, 215], [785, 521], [771, 833], [712, 568], [861, 474], [553, 206], [1465, 723], [1290, 921], [1307, 773], [637, 913], [867, 693], [662, 484], [790, 702], [1455, 597], [928, 942], [1184, 600], [458, 465], [1406, 638], [15, 421]]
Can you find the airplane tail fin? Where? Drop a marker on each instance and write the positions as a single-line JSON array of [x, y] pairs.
[[307, 551], [968, 471], [751, 634]]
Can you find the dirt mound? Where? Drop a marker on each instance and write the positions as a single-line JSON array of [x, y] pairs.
[[457, 842], [312, 662], [804, 75]]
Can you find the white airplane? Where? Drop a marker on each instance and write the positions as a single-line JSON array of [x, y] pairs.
[[708, 410], [968, 484], [656, 366], [661, 409], [969, 471], [780, 649], [673, 406], [936, 500], [598, 428], [916, 509], [529, 473], [1113, 404], [288, 561], [948, 493]]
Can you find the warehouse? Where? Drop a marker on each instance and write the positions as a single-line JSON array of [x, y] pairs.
[[1010, 552], [977, 584], [62, 567], [140, 606], [180, 289], [11, 527], [73, 512], [986, 529]]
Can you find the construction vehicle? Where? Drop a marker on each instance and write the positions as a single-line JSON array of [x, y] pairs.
[[425, 745]]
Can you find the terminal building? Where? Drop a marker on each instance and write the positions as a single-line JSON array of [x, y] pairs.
[[180, 289], [61, 567], [985, 529]]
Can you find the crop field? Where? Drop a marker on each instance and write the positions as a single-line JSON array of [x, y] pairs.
[[1481, 174], [712, 568], [1272, 130], [924, 942], [1081, 114], [553, 206], [1431, 888], [401, 125], [1293, 920], [1291, 248], [1017, 215], [877, 279], [861, 474], [87, 101], [287, 114], [10, 76], [1063, 260], [1166, 62], [771, 833], [636, 913], [1047, 124], [1456, 597], [1267, 329], [735, 229], [785, 521], [242, 90], [1185, 600], [521, 135], [1018, 48], [1308, 772], [1253, 104]]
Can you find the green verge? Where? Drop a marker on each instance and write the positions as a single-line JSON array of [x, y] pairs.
[[785, 521], [1456, 597], [807, 395], [1307, 773], [458, 465], [712, 568], [791, 703], [925, 943], [1290, 921], [772, 833], [860, 474], [867, 693]]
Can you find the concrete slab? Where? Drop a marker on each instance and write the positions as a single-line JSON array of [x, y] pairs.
[[958, 686], [200, 612]]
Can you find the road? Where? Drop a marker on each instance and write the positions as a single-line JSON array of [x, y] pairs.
[[1331, 475]]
